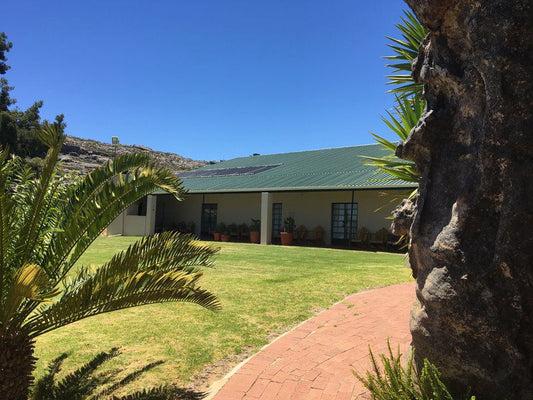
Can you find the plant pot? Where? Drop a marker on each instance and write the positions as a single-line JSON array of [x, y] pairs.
[[216, 236], [286, 238], [255, 236], [225, 238]]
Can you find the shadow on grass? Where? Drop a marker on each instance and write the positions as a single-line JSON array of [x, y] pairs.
[[86, 383]]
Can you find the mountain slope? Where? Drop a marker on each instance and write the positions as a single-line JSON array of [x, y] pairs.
[[82, 155]]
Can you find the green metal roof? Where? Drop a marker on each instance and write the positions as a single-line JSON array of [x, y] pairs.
[[327, 169]]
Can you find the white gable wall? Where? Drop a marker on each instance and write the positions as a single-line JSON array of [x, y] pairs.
[[129, 223]]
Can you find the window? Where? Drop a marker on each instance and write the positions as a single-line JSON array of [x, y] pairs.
[[138, 208], [276, 219], [209, 219], [343, 222]]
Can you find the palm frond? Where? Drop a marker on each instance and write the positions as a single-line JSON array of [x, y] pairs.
[[396, 171], [403, 87], [48, 221], [9, 170], [405, 117], [101, 296], [31, 283], [35, 212], [385, 143], [90, 214], [161, 268], [405, 50], [162, 252]]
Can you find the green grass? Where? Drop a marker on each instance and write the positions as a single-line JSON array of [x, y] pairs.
[[264, 290]]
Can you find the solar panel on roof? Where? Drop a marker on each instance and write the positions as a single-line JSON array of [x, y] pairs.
[[236, 171]]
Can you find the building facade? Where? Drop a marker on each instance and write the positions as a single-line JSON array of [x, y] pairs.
[[331, 190]]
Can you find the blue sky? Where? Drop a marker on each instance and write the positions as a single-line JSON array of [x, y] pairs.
[[206, 79]]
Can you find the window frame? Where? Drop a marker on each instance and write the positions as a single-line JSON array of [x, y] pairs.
[[279, 222], [208, 224], [346, 234]]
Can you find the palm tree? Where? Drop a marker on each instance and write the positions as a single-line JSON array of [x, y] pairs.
[[409, 104], [48, 221]]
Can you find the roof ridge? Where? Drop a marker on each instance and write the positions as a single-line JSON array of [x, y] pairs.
[[309, 151]]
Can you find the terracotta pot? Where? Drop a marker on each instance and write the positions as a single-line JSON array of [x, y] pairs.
[[225, 238], [255, 236], [286, 238], [216, 236]]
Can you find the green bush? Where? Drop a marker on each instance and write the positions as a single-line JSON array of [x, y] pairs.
[[35, 163], [394, 381]]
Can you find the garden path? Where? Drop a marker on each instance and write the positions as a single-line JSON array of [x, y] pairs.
[[316, 359]]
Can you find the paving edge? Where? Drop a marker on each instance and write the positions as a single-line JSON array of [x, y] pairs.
[[217, 385]]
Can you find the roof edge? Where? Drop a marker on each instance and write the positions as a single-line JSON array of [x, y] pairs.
[[301, 189], [304, 151]]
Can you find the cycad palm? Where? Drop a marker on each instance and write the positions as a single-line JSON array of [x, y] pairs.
[[47, 223]]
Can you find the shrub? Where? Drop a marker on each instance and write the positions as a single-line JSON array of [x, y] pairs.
[[288, 224], [35, 163], [394, 381]]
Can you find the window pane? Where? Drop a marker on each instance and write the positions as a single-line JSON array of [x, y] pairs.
[[276, 219], [343, 221], [209, 218]]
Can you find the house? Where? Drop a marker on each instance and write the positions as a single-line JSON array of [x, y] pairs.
[[330, 188]]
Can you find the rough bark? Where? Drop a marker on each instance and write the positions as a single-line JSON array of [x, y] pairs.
[[16, 366], [472, 233], [403, 216]]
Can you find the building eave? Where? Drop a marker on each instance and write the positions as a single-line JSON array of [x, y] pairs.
[[300, 189]]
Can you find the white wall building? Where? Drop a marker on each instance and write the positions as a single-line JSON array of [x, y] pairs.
[[329, 188]]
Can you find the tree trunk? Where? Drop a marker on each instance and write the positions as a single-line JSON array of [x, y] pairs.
[[16, 366], [472, 233]]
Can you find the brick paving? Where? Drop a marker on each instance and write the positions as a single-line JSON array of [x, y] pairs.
[[316, 359]]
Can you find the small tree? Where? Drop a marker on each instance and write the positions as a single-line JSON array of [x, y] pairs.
[[48, 221], [18, 128]]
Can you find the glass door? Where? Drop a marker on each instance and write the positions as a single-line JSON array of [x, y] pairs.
[[209, 219], [343, 222], [276, 220]]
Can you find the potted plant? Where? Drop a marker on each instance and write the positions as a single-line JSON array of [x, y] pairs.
[[255, 231], [233, 231], [224, 234], [221, 227], [287, 234], [244, 231]]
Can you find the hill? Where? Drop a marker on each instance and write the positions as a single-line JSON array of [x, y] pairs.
[[82, 155]]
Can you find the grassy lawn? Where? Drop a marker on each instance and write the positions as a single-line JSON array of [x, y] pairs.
[[264, 290]]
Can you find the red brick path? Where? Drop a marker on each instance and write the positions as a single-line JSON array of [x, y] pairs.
[[316, 360]]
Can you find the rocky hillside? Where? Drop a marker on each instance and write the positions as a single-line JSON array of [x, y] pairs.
[[82, 155]]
